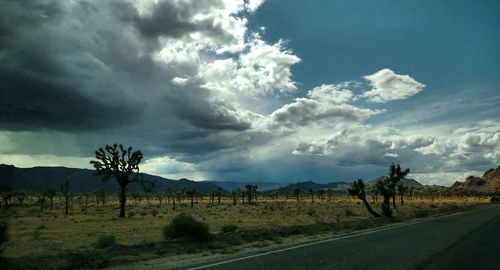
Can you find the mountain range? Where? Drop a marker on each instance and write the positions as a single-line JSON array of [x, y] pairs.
[[83, 180]]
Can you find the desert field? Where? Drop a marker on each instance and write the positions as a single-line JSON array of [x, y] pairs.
[[34, 233]]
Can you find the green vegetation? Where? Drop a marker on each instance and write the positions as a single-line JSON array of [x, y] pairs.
[[185, 226], [51, 236], [105, 241], [175, 222]]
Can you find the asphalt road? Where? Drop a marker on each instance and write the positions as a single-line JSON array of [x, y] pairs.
[[469, 240]]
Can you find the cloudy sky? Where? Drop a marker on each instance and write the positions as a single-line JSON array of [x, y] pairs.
[[254, 90]]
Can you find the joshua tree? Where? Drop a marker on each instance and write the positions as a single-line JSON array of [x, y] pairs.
[[296, 193], [329, 193], [402, 190], [387, 187], [395, 175], [65, 191], [358, 189], [311, 193], [191, 193], [219, 193], [254, 191], [119, 163], [160, 196], [41, 202], [235, 197], [51, 193], [249, 189]]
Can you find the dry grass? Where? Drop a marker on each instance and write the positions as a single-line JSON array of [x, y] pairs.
[[33, 233]]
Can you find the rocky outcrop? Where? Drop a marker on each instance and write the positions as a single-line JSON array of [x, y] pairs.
[[489, 183], [492, 174]]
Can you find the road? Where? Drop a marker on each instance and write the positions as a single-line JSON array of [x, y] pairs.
[[469, 240]]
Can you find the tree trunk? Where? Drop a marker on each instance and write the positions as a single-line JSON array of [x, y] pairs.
[[402, 201], [370, 210], [123, 199], [394, 201], [386, 206]]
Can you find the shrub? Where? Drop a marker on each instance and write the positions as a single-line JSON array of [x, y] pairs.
[[104, 241], [420, 214], [185, 226], [348, 213], [229, 228]]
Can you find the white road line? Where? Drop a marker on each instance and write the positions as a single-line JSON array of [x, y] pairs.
[[308, 244], [321, 242]]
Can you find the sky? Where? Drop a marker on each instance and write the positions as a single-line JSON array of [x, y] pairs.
[[254, 90]]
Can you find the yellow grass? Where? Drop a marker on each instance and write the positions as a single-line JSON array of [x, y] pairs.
[[35, 233]]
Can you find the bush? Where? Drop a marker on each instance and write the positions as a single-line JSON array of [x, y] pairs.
[[185, 226], [106, 240], [421, 214], [228, 228]]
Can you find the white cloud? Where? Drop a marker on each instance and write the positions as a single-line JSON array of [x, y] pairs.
[[305, 112], [331, 93], [325, 105], [253, 5], [364, 145], [388, 86], [179, 81], [261, 69]]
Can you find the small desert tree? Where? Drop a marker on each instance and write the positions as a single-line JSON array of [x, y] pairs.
[[296, 193], [402, 189], [191, 193], [119, 163], [66, 194], [358, 190], [249, 191], [51, 193]]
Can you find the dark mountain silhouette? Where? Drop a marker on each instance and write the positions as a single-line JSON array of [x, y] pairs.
[[305, 186], [262, 186], [405, 181], [83, 180]]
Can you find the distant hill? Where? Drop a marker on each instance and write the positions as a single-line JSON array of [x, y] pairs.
[[304, 186], [261, 186], [82, 180], [405, 181], [489, 183], [338, 186]]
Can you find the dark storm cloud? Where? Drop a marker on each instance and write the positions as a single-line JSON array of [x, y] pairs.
[[40, 89], [83, 68], [29, 103], [175, 19]]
